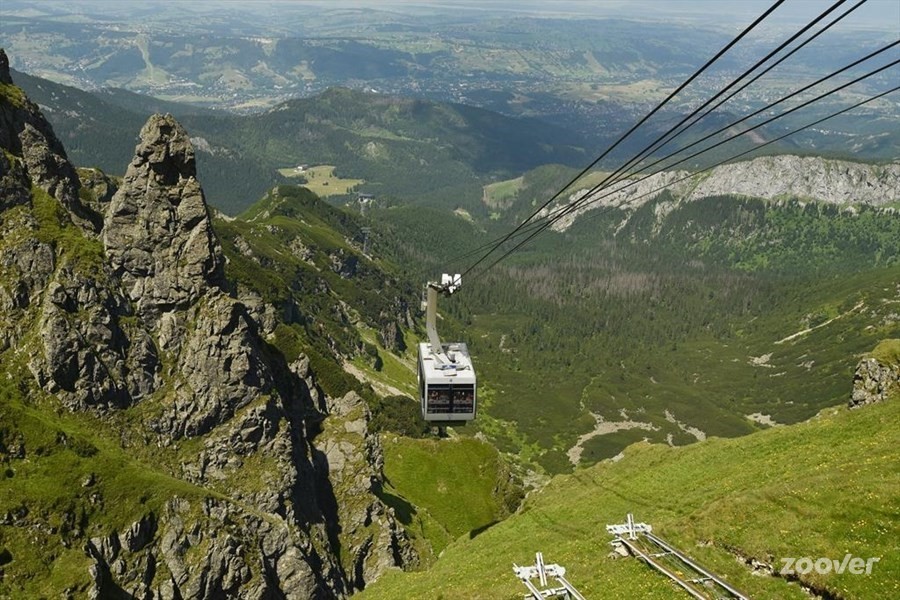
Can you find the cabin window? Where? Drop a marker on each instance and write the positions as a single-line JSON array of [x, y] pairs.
[[463, 398], [447, 398]]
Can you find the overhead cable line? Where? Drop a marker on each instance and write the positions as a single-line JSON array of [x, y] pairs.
[[616, 176], [673, 132], [775, 64], [643, 120], [542, 223], [575, 204], [721, 162]]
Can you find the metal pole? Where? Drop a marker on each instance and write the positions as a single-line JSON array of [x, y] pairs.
[[431, 322]]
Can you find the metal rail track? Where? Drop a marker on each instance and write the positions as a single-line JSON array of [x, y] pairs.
[[680, 568], [639, 541]]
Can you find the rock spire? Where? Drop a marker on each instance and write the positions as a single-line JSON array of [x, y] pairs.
[[157, 232]]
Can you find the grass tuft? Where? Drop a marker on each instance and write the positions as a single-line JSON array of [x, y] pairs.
[[887, 352]]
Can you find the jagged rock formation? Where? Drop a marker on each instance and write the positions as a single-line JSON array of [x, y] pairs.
[[26, 134], [807, 178], [121, 303], [769, 177], [353, 458], [874, 382], [89, 353], [157, 232]]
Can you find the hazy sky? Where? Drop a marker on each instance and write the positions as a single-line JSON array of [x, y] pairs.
[[880, 11], [883, 14]]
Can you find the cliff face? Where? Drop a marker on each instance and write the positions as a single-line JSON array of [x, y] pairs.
[[769, 177], [810, 178], [117, 311]]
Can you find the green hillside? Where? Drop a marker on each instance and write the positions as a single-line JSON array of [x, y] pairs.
[[420, 151], [442, 476], [335, 304], [444, 488], [415, 151], [724, 316], [822, 488]]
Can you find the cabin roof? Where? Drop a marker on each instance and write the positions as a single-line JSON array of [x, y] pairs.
[[433, 371]]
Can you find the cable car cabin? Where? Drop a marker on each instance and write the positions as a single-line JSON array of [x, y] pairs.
[[446, 384]]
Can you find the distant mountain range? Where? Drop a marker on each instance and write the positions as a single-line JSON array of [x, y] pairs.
[[595, 74], [419, 150]]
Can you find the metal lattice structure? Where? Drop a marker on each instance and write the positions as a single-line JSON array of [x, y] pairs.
[[699, 582], [542, 572]]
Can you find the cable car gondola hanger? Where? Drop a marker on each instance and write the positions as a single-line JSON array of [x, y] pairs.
[[447, 384]]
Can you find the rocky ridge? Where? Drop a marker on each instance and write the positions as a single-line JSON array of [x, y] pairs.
[[119, 309], [773, 178]]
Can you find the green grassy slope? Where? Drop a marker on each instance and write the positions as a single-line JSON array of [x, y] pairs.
[[305, 257], [887, 352], [442, 489], [823, 488]]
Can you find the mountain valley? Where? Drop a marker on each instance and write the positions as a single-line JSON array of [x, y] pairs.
[[210, 309]]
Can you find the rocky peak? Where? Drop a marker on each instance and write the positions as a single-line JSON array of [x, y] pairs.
[[26, 134], [5, 77], [141, 316], [158, 232], [166, 150]]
